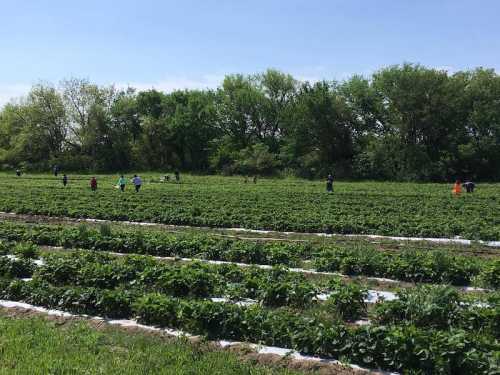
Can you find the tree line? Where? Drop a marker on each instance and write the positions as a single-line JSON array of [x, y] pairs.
[[404, 122]]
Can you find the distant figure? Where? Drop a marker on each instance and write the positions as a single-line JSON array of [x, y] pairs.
[[457, 188], [177, 176], [18, 172], [469, 186], [56, 170], [165, 178], [65, 180], [254, 179], [93, 184], [329, 183], [121, 183], [246, 179], [137, 183]]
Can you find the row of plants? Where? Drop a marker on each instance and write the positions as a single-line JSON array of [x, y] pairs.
[[411, 265], [282, 207], [274, 288], [408, 265], [405, 348]]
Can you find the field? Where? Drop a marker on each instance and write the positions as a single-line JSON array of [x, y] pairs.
[[379, 303], [427, 210]]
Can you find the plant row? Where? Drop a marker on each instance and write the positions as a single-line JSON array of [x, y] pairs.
[[401, 348], [407, 265], [282, 208], [437, 307]]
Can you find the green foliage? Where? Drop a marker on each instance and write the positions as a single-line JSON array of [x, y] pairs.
[[346, 300], [26, 250], [490, 275], [16, 267], [404, 122], [407, 265], [425, 306]]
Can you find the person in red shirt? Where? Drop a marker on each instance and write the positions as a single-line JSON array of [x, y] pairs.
[[93, 184]]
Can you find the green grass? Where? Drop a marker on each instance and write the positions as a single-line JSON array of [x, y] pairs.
[[38, 346]]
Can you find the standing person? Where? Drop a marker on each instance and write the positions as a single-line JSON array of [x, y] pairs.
[[65, 180], [137, 183], [469, 186], [93, 184], [329, 183], [18, 172], [254, 179], [177, 176], [121, 183], [56, 170], [457, 188]]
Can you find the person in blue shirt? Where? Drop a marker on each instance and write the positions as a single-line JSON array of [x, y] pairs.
[[137, 183]]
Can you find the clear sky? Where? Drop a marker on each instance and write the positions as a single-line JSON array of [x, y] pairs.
[[193, 43]]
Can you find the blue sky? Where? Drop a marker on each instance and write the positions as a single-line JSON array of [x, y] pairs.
[[192, 44]]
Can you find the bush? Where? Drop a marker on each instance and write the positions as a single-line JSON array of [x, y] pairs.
[[424, 306], [347, 300], [26, 250]]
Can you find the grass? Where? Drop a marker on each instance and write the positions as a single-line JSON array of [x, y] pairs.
[[38, 346]]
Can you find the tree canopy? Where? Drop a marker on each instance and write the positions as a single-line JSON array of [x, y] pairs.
[[404, 122]]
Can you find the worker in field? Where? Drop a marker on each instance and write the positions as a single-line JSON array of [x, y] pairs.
[[121, 183], [93, 184], [65, 180], [457, 188], [56, 170], [137, 183], [254, 179], [177, 176], [329, 183], [469, 186], [18, 172]]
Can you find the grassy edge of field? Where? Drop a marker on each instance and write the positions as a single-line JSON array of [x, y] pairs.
[[34, 343]]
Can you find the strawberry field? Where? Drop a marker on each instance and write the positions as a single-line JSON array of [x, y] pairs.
[[410, 307], [426, 210]]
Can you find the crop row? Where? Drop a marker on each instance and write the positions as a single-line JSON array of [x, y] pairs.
[[407, 265], [282, 208], [434, 307], [454, 351]]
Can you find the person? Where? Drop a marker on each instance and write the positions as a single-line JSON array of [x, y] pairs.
[[56, 170], [65, 180], [121, 183], [254, 179], [137, 183], [246, 179], [93, 184], [469, 186], [329, 183], [177, 176], [457, 188], [18, 172]]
